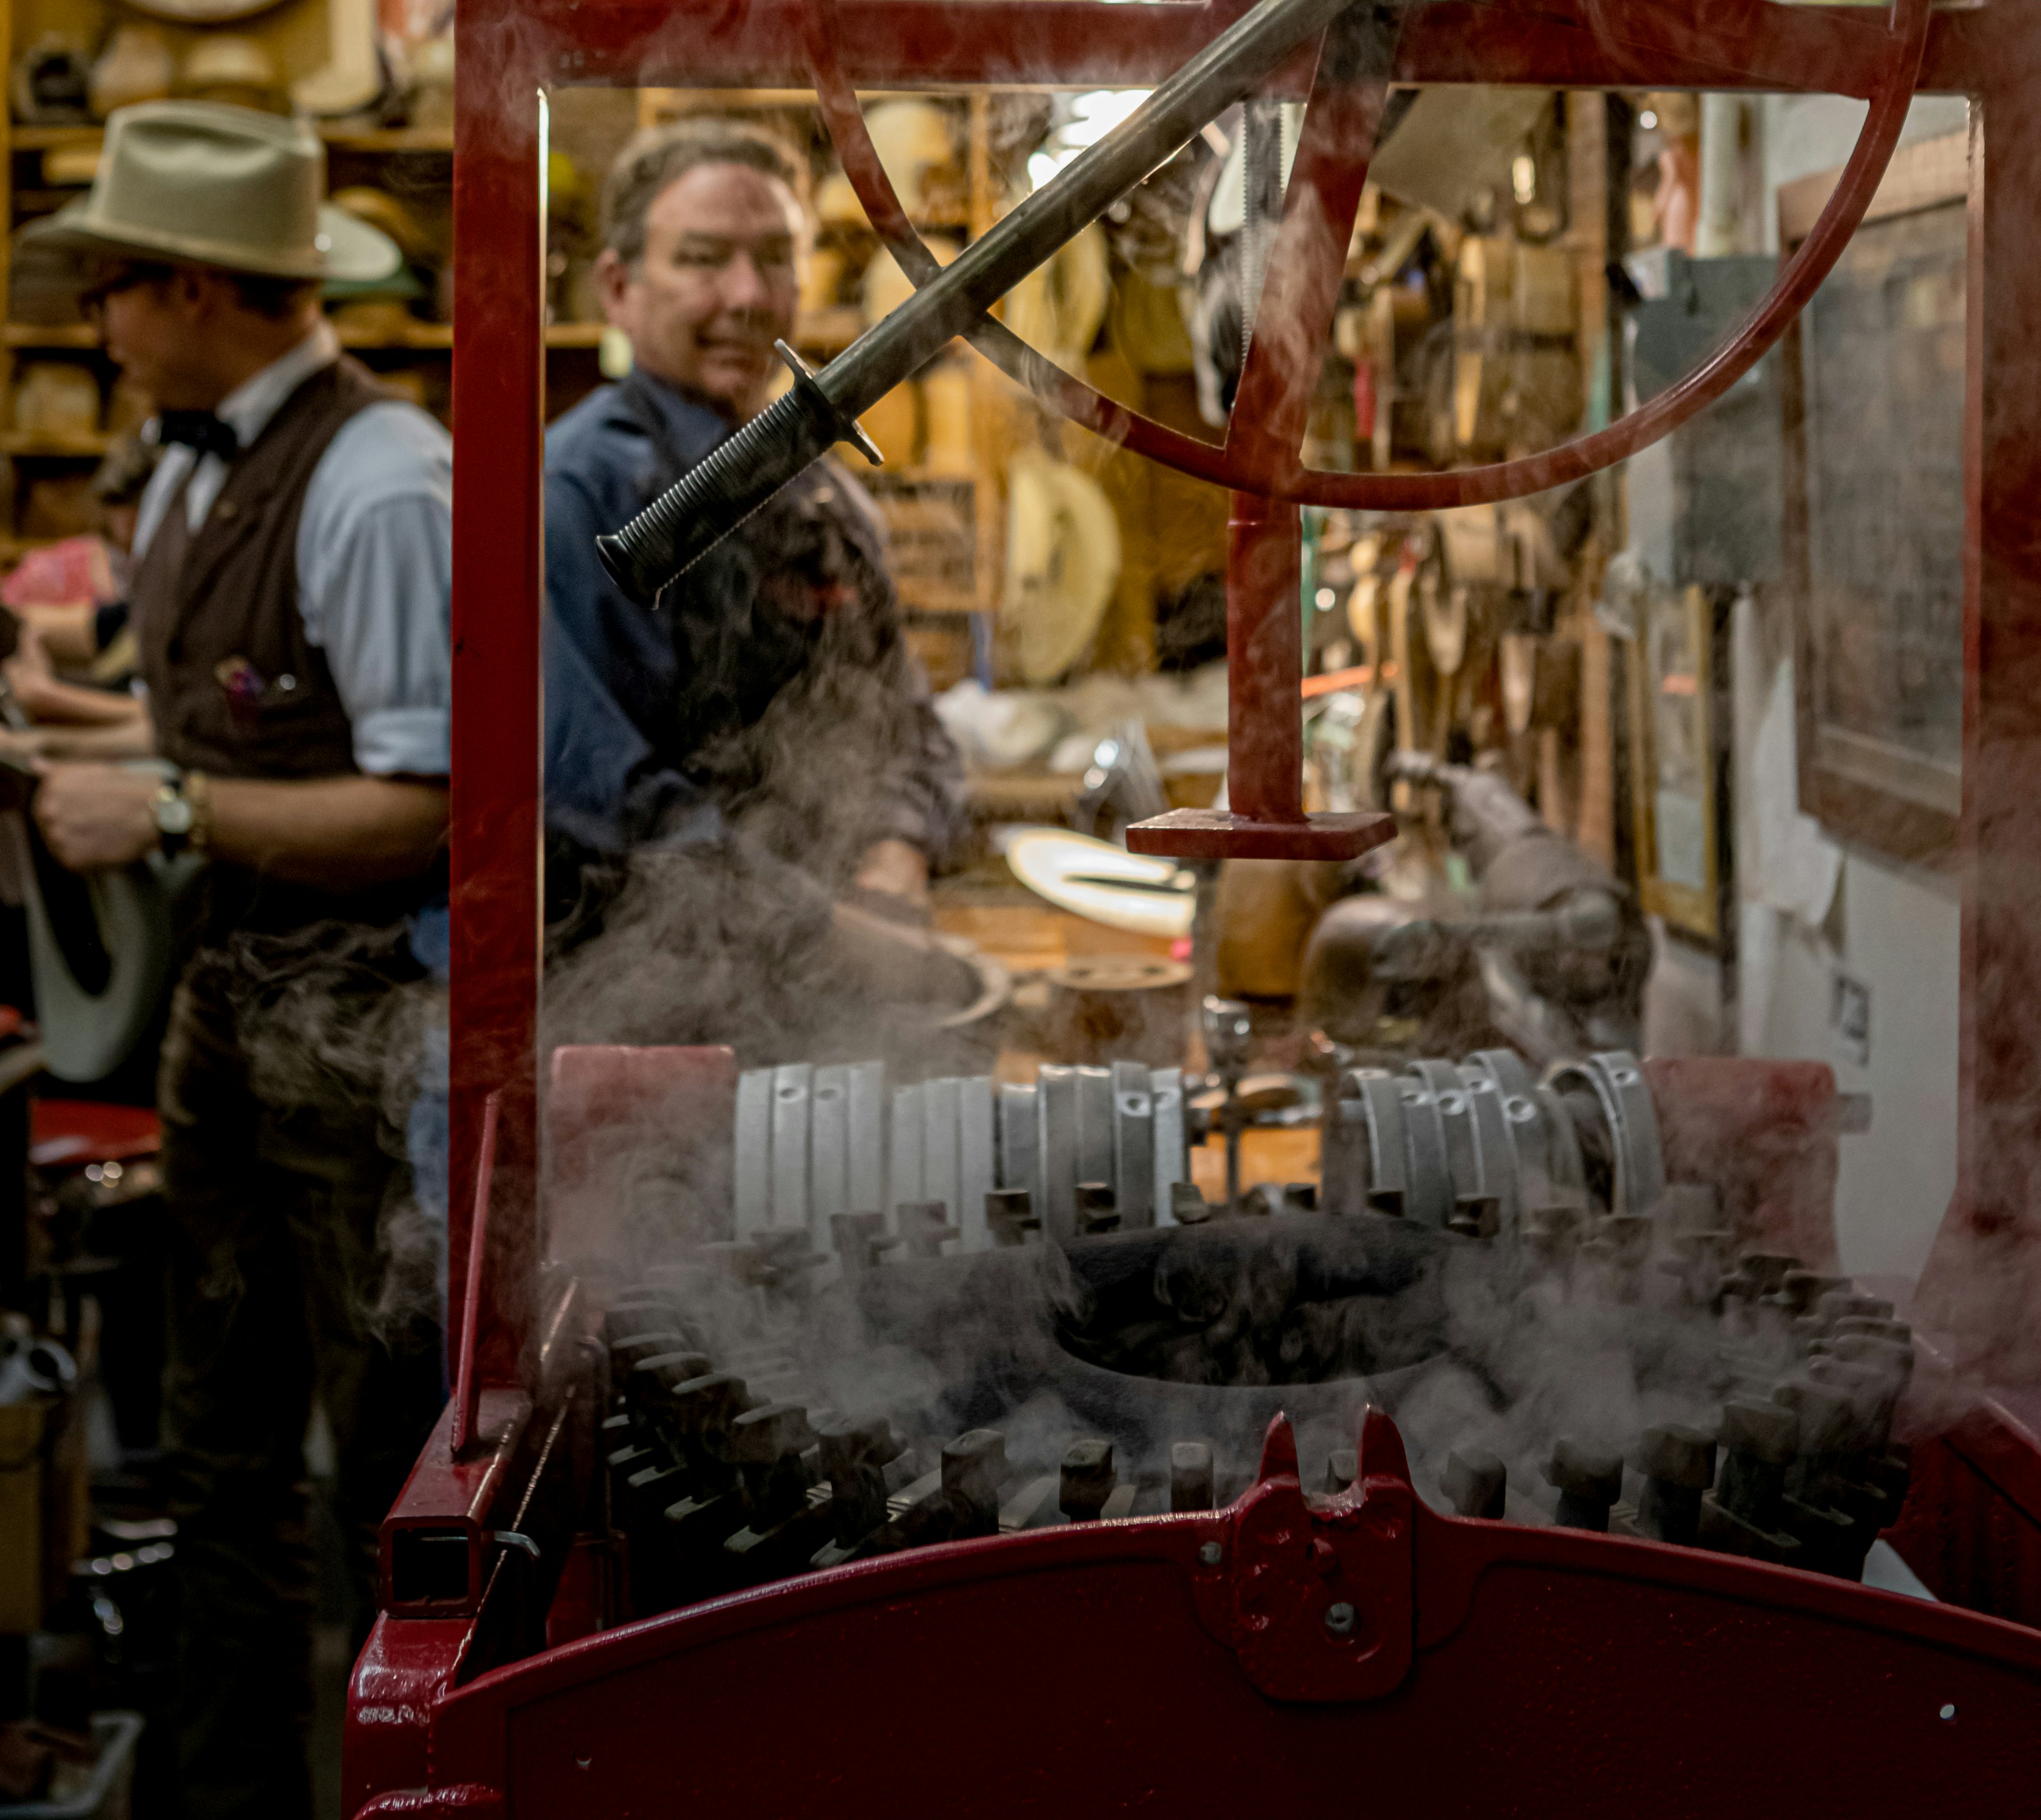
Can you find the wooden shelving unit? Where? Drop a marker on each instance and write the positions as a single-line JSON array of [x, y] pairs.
[[947, 526], [414, 163]]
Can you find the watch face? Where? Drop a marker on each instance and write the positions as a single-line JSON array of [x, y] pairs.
[[174, 814]]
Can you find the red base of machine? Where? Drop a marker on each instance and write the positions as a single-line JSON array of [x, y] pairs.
[[1213, 834], [1289, 1648]]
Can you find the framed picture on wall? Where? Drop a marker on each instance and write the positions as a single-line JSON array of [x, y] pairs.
[[1678, 725], [1875, 384]]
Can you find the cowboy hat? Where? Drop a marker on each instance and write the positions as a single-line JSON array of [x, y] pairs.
[[1062, 563], [204, 183]]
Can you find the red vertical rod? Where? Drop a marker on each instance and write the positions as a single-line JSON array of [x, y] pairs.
[[1264, 657], [1982, 1283], [467, 1379], [498, 391]]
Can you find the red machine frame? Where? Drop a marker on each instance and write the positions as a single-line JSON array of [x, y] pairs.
[[418, 1745]]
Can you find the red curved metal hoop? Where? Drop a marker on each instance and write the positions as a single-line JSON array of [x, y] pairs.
[[1274, 472]]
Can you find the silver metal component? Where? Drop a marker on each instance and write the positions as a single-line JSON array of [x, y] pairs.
[[854, 432], [1442, 1081], [939, 1180], [1343, 1160], [1499, 1171], [1387, 1188], [1262, 132], [1057, 1091], [908, 1144], [1095, 1124], [513, 1539], [1617, 1079], [1133, 1144], [1210, 1554], [1339, 1618], [866, 1125], [1566, 1172], [1428, 1196], [975, 1170], [829, 1152], [1171, 1164], [792, 1109], [1507, 1069], [1020, 1140], [753, 1149]]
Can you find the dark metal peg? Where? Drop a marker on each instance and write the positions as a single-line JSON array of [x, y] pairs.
[[1476, 1483]]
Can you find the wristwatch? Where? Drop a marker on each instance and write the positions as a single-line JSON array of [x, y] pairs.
[[171, 810]]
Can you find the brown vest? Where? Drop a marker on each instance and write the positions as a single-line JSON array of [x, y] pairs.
[[235, 688]]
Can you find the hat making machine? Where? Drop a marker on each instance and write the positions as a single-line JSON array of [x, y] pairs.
[[1123, 1518]]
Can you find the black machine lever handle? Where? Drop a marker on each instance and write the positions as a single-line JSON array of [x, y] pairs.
[[664, 540]]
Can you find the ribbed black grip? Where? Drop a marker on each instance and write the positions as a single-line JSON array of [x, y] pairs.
[[716, 495]]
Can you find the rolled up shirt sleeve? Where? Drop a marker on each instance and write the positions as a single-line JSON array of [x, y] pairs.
[[374, 561]]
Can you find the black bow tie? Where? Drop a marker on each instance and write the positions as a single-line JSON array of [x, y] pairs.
[[199, 430]]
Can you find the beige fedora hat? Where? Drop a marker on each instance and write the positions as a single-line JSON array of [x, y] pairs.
[[211, 184]]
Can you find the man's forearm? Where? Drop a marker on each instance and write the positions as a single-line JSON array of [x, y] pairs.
[[133, 737], [342, 834], [70, 704]]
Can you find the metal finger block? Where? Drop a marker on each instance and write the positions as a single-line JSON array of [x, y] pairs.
[[1172, 1165], [1386, 1178], [866, 1126], [793, 1108], [975, 1160], [829, 1151], [1056, 1089], [1133, 1144], [1020, 1140], [910, 1141], [1428, 1192], [753, 1147], [1095, 1124], [1499, 1174], [1449, 1095], [939, 1179]]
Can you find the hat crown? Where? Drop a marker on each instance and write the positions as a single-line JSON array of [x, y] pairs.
[[203, 183], [216, 175], [222, 186]]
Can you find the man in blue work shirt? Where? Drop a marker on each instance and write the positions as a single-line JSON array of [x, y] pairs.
[[768, 711]]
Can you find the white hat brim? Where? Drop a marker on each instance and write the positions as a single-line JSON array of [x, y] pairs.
[[353, 251]]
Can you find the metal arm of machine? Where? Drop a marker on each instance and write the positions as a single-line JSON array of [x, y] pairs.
[[678, 528], [1486, 814]]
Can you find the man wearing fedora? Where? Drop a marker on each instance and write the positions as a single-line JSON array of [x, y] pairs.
[[291, 592]]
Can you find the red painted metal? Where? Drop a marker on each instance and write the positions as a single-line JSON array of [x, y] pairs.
[[1260, 459], [608, 1106], [455, 1493], [1767, 1134], [498, 583], [1983, 1279], [1543, 1664], [1503, 1669], [68, 1134], [467, 1378], [509, 51]]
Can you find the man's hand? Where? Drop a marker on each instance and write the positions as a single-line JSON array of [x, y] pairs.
[[29, 672], [95, 817], [897, 868]]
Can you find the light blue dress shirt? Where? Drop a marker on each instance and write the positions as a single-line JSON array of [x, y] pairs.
[[375, 557]]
